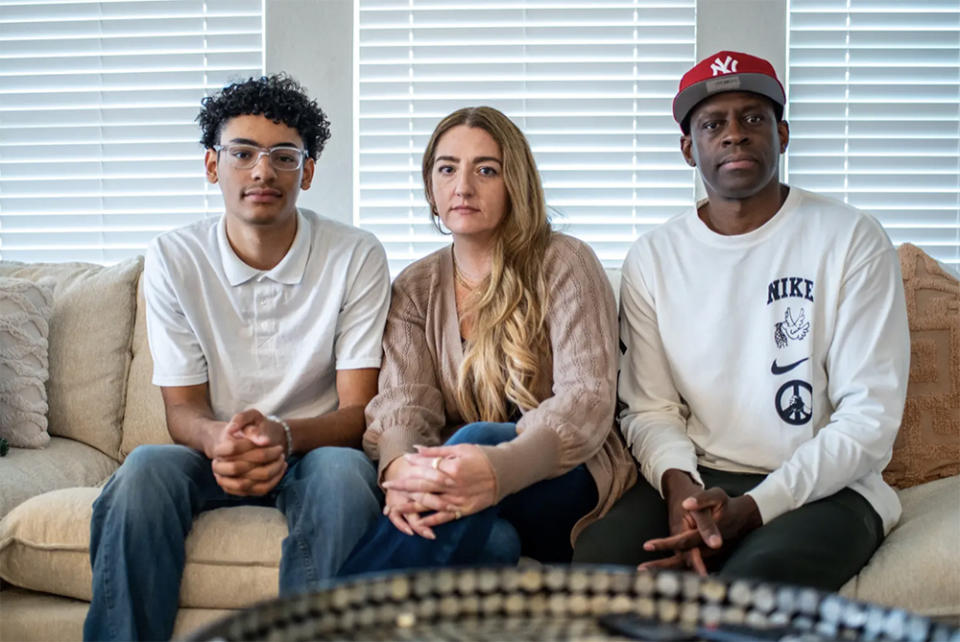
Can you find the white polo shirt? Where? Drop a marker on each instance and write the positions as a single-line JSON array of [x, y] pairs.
[[271, 340]]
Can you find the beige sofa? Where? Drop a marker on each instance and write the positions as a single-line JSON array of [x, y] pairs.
[[102, 405]]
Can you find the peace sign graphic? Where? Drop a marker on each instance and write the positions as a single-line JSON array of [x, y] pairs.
[[794, 402]]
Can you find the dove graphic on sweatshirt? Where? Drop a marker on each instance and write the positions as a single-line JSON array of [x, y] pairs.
[[791, 328]]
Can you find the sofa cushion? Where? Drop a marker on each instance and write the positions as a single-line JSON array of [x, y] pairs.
[[917, 567], [38, 616], [144, 421], [90, 333], [25, 309], [233, 554], [64, 463], [928, 444], [24, 619]]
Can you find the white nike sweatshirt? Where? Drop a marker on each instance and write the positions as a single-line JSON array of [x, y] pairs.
[[783, 351]]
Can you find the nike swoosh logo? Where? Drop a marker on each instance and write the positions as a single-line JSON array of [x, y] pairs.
[[775, 369]]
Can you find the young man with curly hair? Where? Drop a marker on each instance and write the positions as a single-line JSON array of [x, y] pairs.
[[265, 327]]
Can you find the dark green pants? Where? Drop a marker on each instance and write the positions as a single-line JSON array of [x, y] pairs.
[[821, 544]]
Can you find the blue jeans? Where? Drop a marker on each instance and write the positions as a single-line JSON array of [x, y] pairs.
[[141, 519], [535, 521]]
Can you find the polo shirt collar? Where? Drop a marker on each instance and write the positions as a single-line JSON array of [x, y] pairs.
[[288, 271]]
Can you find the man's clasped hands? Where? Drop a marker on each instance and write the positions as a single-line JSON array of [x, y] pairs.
[[249, 454], [703, 523]]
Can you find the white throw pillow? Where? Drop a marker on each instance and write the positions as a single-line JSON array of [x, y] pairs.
[[25, 309]]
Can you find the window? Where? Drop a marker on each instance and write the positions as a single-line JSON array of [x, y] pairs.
[[590, 83], [98, 143], [875, 113], [99, 152]]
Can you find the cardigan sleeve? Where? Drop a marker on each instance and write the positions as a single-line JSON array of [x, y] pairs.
[[409, 407], [571, 426]]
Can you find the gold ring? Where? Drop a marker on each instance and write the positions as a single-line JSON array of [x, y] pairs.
[[436, 463], [457, 514]]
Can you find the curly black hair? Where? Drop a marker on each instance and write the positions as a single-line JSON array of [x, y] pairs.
[[279, 98]]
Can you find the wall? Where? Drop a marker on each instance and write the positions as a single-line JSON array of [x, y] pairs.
[[753, 26], [312, 40], [758, 27]]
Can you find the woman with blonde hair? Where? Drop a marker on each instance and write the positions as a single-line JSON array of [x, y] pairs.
[[503, 347]]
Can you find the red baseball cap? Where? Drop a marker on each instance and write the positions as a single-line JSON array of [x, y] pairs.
[[726, 71]]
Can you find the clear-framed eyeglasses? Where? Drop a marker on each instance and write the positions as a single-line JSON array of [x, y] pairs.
[[282, 157]]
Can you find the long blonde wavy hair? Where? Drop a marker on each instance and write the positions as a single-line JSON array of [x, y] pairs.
[[504, 358]]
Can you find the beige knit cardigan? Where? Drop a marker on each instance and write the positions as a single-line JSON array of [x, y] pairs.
[[574, 422]]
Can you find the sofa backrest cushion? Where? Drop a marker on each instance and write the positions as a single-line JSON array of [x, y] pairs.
[[144, 421], [91, 329], [928, 444]]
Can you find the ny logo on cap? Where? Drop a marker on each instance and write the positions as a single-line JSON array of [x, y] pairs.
[[728, 66]]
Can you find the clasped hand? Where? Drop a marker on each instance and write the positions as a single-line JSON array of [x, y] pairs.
[[702, 523], [436, 485], [249, 455]]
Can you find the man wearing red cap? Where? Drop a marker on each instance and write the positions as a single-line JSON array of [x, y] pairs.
[[765, 362]]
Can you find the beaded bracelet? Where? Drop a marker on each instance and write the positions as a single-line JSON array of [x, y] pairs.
[[286, 431]]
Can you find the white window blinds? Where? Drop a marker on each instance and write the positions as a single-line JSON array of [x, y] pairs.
[[589, 82], [874, 93], [98, 145]]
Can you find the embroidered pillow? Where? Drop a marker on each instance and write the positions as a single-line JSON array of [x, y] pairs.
[[928, 444], [25, 308]]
